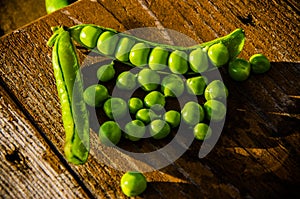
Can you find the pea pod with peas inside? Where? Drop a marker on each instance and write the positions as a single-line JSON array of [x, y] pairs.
[[70, 91], [139, 52]]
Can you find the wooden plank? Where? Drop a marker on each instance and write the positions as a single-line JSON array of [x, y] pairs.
[[253, 140], [28, 167]]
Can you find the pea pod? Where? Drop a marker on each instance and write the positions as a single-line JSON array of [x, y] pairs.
[[137, 52], [74, 113]]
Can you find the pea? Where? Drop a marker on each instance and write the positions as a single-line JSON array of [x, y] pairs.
[[115, 108], [110, 133], [95, 95], [202, 131], [159, 129], [123, 49], [239, 69], [178, 62], [135, 104], [198, 60], [172, 86], [139, 53], [173, 118], [126, 81], [148, 79], [215, 90], [133, 183], [89, 36], [106, 72], [135, 130], [196, 85], [146, 115], [107, 42], [158, 58], [192, 113], [214, 110], [259, 63], [155, 100], [218, 54]]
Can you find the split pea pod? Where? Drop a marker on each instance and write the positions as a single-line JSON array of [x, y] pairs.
[[139, 52], [70, 91]]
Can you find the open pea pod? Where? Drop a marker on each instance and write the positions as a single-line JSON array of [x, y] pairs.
[[138, 52], [70, 91]]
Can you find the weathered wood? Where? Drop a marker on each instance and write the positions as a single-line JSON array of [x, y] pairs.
[[257, 154], [28, 167]]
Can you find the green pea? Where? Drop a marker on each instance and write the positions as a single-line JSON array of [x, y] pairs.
[[146, 115], [158, 59], [173, 118], [215, 110], [198, 60], [148, 79], [172, 86], [89, 36], [178, 62], [110, 133], [115, 108], [159, 129], [192, 113], [215, 90], [196, 85], [126, 81], [107, 42], [139, 53], [239, 69], [135, 104], [133, 183], [106, 72], [218, 54], [202, 131], [95, 95], [135, 130], [123, 49], [155, 100], [259, 63]]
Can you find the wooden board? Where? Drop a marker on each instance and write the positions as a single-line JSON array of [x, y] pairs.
[[257, 155]]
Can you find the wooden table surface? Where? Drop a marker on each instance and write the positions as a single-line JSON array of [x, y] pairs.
[[257, 155]]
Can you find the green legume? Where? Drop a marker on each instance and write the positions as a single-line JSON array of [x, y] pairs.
[[107, 43], [139, 53], [126, 81], [198, 60], [172, 86], [146, 115], [95, 95], [89, 36], [159, 129], [202, 131], [135, 104], [155, 100], [218, 54], [215, 110], [135, 130], [110, 133], [215, 90], [178, 62], [133, 183], [259, 63], [173, 118], [148, 79], [192, 113], [196, 85], [123, 49], [158, 59], [115, 108], [239, 69], [106, 72]]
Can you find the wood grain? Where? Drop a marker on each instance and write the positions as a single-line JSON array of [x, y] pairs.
[[257, 155]]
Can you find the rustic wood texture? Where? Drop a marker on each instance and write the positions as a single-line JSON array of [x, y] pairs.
[[257, 155]]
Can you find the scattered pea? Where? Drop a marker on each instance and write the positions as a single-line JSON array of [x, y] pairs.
[[110, 133], [214, 110], [126, 81], [146, 115], [159, 129], [239, 69], [135, 104], [192, 113], [215, 90], [133, 183], [95, 95], [115, 108], [172, 86], [155, 100], [196, 85], [218, 54], [173, 118], [259, 63], [202, 131], [148, 79], [135, 130], [106, 72]]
